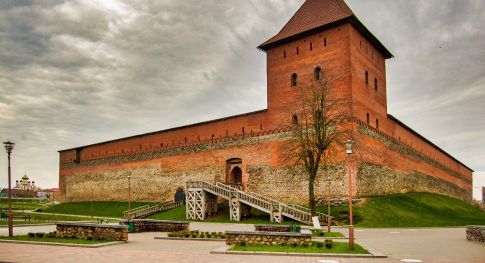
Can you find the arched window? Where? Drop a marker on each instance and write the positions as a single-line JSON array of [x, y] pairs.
[[366, 77], [368, 118], [318, 73], [377, 123], [294, 80], [295, 119], [375, 84]]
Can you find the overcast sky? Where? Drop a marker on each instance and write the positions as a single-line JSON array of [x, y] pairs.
[[84, 71]]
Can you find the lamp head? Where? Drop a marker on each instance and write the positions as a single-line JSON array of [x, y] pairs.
[[9, 146]]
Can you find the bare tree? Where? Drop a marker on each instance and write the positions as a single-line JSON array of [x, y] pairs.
[[320, 125]]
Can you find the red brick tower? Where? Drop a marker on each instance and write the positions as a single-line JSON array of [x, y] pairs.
[[326, 35]]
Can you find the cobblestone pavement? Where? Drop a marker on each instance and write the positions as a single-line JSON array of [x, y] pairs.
[[441, 245]]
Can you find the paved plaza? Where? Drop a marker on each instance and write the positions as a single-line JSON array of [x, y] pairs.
[[428, 244]]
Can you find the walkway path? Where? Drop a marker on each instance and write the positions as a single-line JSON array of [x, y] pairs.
[[432, 245]]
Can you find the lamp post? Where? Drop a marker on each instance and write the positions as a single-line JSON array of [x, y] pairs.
[[9, 147], [129, 197], [92, 197], [348, 151]]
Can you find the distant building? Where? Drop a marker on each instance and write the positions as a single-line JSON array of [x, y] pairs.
[[23, 188], [25, 184]]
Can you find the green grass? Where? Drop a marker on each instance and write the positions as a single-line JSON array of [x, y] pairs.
[[338, 248], [100, 208], [327, 234], [256, 217], [43, 218], [20, 206], [411, 210], [54, 240]]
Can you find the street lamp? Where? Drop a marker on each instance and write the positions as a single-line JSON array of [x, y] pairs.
[[129, 197], [9, 147], [348, 151]]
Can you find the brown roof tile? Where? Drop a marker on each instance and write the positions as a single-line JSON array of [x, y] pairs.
[[312, 14], [316, 14]]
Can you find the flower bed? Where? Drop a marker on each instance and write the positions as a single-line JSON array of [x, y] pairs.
[[197, 234]]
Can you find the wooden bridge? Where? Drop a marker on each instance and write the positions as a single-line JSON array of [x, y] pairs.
[[202, 201], [148, 210]]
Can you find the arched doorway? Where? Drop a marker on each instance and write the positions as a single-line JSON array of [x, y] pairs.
[[180, 195], [236, 176], [234, 173]]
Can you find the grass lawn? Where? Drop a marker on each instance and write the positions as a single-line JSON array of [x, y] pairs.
[[20, 206], [326, 234], [42, 218], [54, 240], [100, 208], [256, 217], [338, 248], [411, 210]]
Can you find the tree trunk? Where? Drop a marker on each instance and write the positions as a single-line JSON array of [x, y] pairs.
[[311, 194]]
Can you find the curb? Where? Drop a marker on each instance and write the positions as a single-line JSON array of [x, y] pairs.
[[64, 244], [26, 225], [190, 239], [225, 251]]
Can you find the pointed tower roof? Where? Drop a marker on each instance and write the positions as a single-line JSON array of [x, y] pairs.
[[317, 15]]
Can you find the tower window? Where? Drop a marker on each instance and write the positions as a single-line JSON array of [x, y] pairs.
[[366, 77], [368, 118], [295, 119], [311, 46], [375, 84], [284, 54], [318, 73], [377, 123], [294, 80], [243, 130], [297, 50], [325, 42]]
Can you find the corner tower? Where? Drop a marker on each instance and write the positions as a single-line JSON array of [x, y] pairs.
[[326, 35]]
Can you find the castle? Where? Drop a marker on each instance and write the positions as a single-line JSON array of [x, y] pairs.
[[323, 37]]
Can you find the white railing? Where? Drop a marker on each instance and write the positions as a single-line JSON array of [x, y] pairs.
[[296, 212], [147, 210]]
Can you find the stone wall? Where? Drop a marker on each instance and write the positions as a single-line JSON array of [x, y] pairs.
[[267, 238], [92, 231], [147, 225], [376, 180], [148, 183]]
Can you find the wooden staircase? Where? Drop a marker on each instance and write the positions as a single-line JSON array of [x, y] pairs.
[[148, 210], [202, 199]]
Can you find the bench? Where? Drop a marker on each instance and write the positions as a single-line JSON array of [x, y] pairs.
[[24, 217], [476, 233]]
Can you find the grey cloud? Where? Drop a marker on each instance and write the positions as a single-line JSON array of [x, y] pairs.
[[79, 72]]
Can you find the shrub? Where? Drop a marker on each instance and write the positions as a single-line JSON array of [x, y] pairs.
[[39, 234], [209, 236], [213, 233], [294, 244], [186, 235], [321, 233], [328, 243], [89, 238], [73, 236], [242, 243], [320, 245], [30, 234], [194, 235]]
